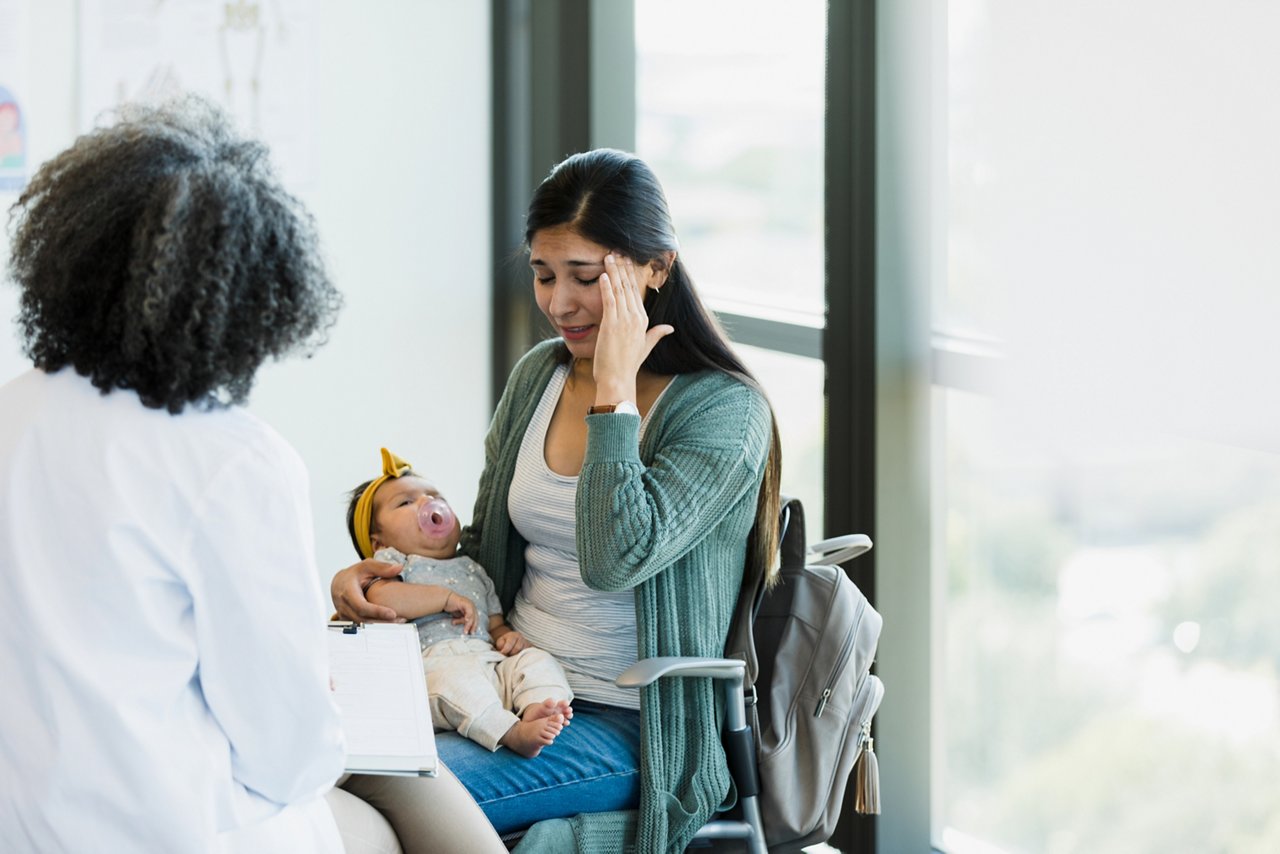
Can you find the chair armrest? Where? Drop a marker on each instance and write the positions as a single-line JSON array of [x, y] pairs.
[[837, 550], [649, 670]]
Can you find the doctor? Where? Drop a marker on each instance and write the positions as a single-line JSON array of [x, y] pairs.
[[162, 651]]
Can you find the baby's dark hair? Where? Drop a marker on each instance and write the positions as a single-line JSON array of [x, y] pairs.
[[353, 498]]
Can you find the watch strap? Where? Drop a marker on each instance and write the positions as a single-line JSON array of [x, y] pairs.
[[625, 406]]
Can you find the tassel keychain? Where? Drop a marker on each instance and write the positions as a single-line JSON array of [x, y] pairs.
[[866, 772]]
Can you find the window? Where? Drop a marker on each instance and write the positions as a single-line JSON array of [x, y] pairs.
[[729, 113], [1108, 491], [1110, 643]]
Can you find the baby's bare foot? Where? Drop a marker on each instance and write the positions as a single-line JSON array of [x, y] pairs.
[[546, 709], [528, 737]]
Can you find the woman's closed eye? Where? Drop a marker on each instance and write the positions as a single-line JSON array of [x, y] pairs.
[[547, 280]]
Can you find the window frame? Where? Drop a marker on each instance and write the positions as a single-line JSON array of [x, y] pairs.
[[911, 250]]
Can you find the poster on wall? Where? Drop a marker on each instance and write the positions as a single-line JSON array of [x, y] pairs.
[[258, 59], [15, 159]]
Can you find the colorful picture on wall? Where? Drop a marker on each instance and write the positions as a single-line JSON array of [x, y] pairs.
[[13, 143]]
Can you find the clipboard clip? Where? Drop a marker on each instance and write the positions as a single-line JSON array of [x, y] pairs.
[[348, 627]]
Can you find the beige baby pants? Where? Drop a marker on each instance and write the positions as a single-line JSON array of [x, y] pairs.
[[480, 692]]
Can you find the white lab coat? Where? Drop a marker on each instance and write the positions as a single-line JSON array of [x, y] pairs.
[[163, 661]]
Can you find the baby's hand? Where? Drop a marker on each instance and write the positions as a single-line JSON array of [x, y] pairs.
[[510, 643], [463, 611]]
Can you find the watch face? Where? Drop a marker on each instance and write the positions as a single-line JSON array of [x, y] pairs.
[[628, 407]]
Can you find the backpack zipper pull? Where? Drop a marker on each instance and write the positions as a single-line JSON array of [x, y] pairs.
[[822, 703]]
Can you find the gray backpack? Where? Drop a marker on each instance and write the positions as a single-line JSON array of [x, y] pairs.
[[809, 643]]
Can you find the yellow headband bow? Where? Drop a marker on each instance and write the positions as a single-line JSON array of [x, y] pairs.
[[392, 467]]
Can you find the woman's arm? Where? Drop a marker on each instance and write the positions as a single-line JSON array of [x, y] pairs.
[[635, 520], [490, 539], [422, 600], [477, 540]]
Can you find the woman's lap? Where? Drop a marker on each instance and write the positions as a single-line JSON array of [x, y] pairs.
[[593, 766], [428, 815]]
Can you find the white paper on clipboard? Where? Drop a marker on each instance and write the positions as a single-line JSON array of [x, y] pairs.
[[381, 693]]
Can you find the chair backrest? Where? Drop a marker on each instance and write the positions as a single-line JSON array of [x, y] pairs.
[[809, 643]]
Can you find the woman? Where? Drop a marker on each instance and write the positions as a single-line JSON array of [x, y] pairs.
[[631, 475], [164, 646]]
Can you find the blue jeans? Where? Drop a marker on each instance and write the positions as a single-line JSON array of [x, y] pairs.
[[593, 766]]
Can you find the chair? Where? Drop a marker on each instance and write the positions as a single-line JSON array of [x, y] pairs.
[[745, 823], [738, 738]]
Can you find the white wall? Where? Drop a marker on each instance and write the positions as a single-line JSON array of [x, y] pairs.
[[401, 196]]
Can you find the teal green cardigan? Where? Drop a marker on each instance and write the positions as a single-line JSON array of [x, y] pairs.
[[668, 518]]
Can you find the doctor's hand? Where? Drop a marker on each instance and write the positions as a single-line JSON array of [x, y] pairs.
[[347, 591]]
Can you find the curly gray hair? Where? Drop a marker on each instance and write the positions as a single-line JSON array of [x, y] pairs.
[[161, 254]]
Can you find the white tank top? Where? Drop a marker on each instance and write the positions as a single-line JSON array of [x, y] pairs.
[[591, 632]]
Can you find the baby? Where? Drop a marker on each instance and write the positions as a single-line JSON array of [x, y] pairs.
[[483, 678]]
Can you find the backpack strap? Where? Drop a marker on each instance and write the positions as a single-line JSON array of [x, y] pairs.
[[791, 546], [792, 543]]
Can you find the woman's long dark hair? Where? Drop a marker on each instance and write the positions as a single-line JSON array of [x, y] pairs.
[[613, 198], [161, 255]]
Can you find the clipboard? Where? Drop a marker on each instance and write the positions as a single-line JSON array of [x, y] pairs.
[[381, 694]]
